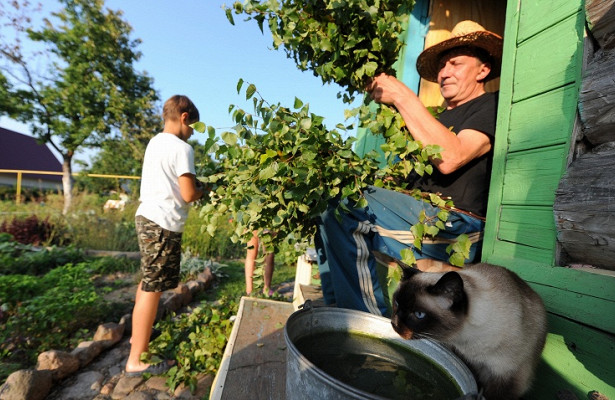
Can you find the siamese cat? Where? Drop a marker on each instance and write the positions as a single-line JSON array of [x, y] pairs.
[[486, 314]]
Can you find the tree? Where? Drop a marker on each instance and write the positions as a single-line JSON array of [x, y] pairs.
[[89, 91]]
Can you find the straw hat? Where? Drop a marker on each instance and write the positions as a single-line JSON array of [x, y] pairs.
[[465, 33]]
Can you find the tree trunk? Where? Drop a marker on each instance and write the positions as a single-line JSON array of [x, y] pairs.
[[67, 181]]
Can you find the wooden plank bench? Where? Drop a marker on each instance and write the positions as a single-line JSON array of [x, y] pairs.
[[254, 361]]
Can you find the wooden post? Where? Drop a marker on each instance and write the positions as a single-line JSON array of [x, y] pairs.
[[18, 194]]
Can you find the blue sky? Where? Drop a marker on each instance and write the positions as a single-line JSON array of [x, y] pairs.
[[189, 47]]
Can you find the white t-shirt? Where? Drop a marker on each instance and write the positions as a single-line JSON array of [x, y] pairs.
[[167, 157]]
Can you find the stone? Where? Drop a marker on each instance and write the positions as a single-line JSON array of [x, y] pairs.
[[206, 277], [139, 396], [194, 287], [109, 333], [87, 351], [184, 292], [60, 363], [158, 383], [27, 384], [126, 321], [125, 386], [87, 385], [172, 303]]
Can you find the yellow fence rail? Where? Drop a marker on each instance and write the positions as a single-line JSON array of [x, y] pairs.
[[21, 172]]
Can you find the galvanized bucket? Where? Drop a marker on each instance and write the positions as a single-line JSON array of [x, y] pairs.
[[305, 381]]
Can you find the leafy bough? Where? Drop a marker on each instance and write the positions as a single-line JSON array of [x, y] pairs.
[[280, 168]]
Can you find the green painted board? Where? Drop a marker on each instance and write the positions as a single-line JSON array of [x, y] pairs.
[[540, 79], [543, 120], [528, 226], [590, 310], [510, 255], [537, 15], [575, 358], [550, 59], [585, 297], [533, 176]]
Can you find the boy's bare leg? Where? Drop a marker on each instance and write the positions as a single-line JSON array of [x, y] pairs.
[[268, 272], [143, 317]]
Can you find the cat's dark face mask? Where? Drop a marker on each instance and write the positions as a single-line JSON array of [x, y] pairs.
[[423, 309]]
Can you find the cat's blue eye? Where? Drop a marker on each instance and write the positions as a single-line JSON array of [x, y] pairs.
[[419, 314]]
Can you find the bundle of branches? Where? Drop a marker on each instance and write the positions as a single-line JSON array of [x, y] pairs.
[[280, 168]]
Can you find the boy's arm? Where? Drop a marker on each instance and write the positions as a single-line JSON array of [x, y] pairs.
[[188, 188]]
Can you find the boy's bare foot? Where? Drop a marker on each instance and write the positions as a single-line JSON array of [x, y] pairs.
[[153, 369]]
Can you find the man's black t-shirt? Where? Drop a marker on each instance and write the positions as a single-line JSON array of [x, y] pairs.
[[468, 187]]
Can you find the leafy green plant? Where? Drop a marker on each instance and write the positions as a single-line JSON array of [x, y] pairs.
[[196, 340], [343, 41], [278, 171], [54, 310], [44, 321]]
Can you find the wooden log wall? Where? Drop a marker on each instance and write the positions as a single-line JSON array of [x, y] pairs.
[[585, 199]]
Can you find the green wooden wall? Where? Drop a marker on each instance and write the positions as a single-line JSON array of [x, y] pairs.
[[541, 74]]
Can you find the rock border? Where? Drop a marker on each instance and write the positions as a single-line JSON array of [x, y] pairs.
[[54, 365]]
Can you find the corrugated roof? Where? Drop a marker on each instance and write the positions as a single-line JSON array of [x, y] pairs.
[[19, 151]]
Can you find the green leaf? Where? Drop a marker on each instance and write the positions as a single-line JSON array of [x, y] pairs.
[[229, 16], [198, 126], [229, 138], [250, 91]]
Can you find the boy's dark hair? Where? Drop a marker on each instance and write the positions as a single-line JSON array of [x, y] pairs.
[[178, 104]]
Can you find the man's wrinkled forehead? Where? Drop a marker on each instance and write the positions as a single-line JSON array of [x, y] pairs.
[[479, 54]]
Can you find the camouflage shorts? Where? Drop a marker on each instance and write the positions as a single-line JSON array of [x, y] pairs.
[[160, 255]]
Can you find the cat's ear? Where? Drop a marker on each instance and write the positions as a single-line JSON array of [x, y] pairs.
[[408, 272], [451, 286]]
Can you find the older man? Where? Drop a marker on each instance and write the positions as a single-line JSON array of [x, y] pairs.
[[465, 131]]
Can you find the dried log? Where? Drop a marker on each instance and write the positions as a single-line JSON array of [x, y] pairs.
[[597, 98], [585, 209], [600, 16]]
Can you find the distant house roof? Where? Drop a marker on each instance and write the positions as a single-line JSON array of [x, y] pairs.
[[18, 151]]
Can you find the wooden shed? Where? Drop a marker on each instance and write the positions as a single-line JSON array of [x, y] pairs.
[[551, 212]]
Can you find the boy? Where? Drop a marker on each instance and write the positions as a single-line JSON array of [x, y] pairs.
[[168, 185]]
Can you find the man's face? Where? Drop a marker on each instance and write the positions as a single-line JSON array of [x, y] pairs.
[[460, 77]]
